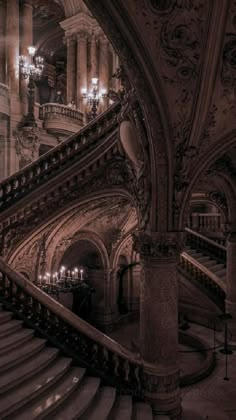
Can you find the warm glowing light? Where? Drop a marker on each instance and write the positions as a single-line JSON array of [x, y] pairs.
[[94, 81], [31, 50], [83, 91]]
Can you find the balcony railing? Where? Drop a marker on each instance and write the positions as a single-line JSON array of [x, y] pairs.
[[206, 222], [59, 118]]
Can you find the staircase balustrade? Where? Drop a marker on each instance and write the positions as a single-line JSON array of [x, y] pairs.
[[202, 243], [58, 158], [87, 346], [197, 272]]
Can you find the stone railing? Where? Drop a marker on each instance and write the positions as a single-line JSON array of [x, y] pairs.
[[58, 159], [87, 346], [204, 244], [4, 99], [61, 111], [205, 222], [201, 275]]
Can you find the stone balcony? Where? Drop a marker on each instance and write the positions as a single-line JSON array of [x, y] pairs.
[[4, 99], [60, 119]]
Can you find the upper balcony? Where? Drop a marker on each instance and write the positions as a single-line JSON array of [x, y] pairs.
[[60, 119], [4, 99]]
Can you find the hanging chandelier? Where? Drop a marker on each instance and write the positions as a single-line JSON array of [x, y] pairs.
[[62, 281]]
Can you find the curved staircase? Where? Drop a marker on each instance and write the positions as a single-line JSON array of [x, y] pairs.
[[38, 382], [53, 365]]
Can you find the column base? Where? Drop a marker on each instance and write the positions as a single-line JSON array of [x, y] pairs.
[[163, 392]]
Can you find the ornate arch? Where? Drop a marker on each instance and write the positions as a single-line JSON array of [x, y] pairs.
[[204, 162]]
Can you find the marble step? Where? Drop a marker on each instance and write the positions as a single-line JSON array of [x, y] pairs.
[[9, 327], [32, 388], [218, 267], [78, 402], [48, 401], [15, 340], [26, 370], [122, 409], [26, 350], [5, 316], [203, 259], [142, 411], [101, 405]]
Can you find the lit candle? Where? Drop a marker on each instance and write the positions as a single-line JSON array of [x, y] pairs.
[[81, 274], [76, 273], [40, 279]]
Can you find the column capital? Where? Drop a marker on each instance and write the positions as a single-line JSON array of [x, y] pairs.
[[82, 36], [158, 245], [70, 39]]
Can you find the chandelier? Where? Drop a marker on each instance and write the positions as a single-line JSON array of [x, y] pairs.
[[93, 98], [31, 67], [62, 281]]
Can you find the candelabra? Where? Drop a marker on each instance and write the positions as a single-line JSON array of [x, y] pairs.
[[62, 281], [93, 98], [31, 67]]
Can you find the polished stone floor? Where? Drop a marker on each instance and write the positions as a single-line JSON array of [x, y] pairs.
[[213, 398]]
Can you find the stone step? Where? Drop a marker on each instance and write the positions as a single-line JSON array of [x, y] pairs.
[[142, 411], [5, 316], [210, 263], [53, 397], [122, 409], [203, 259], [77, 404], [26, 370], [26, 350], [9, 327], [15, 340], [217, 268], [24, 393], [101, 405]]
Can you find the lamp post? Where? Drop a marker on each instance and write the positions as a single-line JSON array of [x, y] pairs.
[[31, 67], [93, 98]]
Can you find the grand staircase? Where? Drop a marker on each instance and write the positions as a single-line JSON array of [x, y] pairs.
[[37, 382]]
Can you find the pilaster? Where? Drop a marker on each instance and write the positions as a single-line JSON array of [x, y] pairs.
[[230, 302], [71, 68], [12, 38]]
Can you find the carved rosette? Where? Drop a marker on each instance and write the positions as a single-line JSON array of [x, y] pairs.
[[27, 144]]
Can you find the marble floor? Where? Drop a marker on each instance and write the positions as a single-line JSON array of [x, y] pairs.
[[213, 398]]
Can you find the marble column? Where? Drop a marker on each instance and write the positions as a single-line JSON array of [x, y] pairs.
[[82, 67], [71, 69], [26, 40], [230, 301], [12, 32], [93, 56], [159, 320], [2, 41], [103, 69]]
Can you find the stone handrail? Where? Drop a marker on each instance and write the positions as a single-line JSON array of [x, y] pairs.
[[62, 111], [77, 338], [200, 275], [205, 222], [203, 243], [56, 159]]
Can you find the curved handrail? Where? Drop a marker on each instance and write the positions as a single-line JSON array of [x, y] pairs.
[[67, 151], [66, 314], [205, 239], [205, 270]]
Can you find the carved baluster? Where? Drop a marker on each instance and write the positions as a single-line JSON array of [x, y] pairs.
[[115, 364]]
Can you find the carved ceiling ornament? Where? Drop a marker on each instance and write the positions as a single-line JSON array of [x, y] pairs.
[[219, 199]]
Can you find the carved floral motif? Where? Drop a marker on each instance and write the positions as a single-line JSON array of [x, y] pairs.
[[27, 144]]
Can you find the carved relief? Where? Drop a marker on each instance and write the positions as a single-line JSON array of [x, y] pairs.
[[164, 245], [27, 144]]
